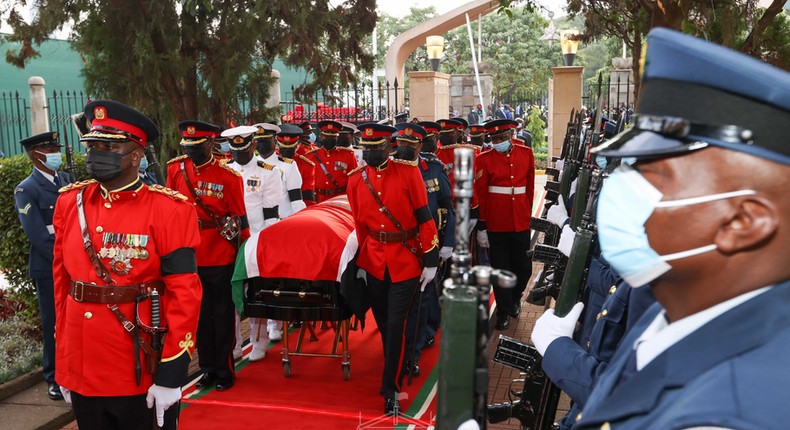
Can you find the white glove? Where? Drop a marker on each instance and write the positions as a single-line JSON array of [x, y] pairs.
[[66, 394], [557, 213], [427, 276], [573, 187], [472, 224], [559, 165], [164, 398], [566, 240], [550, 327], [482, 239], [469, 425], [445, 253]]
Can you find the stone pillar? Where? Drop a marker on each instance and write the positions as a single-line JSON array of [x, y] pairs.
[[274, 91], [429, 95], [565, 94], [621, 83], [39, 120]]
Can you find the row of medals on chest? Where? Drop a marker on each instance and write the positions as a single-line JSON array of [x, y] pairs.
[[120, 248]]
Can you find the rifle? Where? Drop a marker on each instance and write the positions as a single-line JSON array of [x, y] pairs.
[[151, 153], [463, 369], [536, 405], [70, 166]]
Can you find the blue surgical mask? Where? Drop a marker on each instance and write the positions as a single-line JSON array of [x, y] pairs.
[[312, 137], [143, 164], [224, 147], [600, 161], [626, 202], [502, 147], [53, 160]]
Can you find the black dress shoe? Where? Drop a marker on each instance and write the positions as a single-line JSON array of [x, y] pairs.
[[430, 341], [225, 385], [205, 381], [391, 406], [516, 311], [502, 323], [53, 391]]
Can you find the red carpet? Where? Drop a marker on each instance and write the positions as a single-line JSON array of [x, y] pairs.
[[314, 396]]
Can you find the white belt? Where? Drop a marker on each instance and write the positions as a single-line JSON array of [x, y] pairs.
[[507, 190]]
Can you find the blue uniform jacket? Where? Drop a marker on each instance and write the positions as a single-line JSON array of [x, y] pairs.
[[35, 200], [437, 183], [601, 280], [729, 373], [575, 369]]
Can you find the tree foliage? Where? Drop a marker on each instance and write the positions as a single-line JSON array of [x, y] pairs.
[[390, 27], [185, 59]]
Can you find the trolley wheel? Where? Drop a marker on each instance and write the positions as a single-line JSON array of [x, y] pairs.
[[346, 372], [286, 369]]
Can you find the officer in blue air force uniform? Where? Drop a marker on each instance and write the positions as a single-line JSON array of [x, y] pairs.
[[35, 204], [703, 216]]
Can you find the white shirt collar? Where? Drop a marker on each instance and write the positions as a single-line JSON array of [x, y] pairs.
[[660, 335], [49, 177]]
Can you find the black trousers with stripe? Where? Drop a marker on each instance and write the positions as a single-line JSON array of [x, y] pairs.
[[217, 324], [509, 252]]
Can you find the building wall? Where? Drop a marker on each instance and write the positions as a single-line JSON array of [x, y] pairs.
[[464, 95]]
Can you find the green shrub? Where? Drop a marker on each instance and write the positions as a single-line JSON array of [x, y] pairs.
[[541, 154], [20, 348], [14, 245]]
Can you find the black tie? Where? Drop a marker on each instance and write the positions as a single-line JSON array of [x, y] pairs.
[[57, 181]]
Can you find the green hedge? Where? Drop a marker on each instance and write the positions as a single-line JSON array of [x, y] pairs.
[[14, 245], [541, 154]]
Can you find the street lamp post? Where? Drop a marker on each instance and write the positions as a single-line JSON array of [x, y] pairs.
[[435, 45], [569, 46]]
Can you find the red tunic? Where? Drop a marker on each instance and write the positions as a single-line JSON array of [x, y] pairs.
[[221, 190], [306, 169], [338, 163], [505, 184], [402, 190], [95, 355]]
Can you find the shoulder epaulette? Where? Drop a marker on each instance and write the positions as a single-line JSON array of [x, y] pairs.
[[453, 146], [173, 194], [311, 151], [306, 159], [179, 158], [224, 161], [436, 161], [405, 162], [266, 165], [77, 185], [358, 169], [344, 148], [229, 169], [285, 160]]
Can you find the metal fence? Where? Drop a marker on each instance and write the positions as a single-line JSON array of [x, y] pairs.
[[617, 94], [520, 102], [60, 106], [355, 104], [14, 122]]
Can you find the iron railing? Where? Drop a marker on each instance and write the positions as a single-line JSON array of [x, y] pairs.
[[14, 123]]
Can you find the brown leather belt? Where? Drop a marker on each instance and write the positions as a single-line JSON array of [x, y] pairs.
[[330, 191], [205, 224], [112, 294], [393, 236]]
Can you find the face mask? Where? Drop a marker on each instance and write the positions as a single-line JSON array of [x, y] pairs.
[[287, 152], [408, 153], [224, 147], [312, 137], [53, 161], [329, 143], [104, 166], [428, 145], [446, 139], [143, 164], [600, 161], [241, 157], [375, 157], [502, 147], [265, 146], [626, 202], [197, 154]]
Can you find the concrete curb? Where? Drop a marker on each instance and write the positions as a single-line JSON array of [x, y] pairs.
[[20, 383]]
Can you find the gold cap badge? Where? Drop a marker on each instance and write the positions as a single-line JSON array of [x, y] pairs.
[[99, 112]]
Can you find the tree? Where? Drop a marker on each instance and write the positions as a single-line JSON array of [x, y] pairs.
[[188, 59], [739, 24], [390, 27]]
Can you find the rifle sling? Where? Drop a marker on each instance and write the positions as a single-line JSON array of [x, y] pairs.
[[387, 213]]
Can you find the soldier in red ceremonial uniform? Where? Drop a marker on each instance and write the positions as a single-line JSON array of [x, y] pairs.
[[217, 193], [477, 134], [332, 163], [124, 273], [504, 183], [398, 243], [306, 167]]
